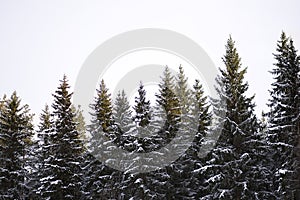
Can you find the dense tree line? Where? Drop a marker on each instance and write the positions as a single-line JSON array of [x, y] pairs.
[[252, 158]]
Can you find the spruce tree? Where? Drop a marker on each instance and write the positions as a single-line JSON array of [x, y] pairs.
[[201, 114], [185, 181], [102, 108], [16, 130], [79, 120], [284, 122], [227, 169], [80, 123], [169, 103], [183, 91], [100, 180], [122, 113], [142, 108], [65, 156], [43, 150], [46, 121]]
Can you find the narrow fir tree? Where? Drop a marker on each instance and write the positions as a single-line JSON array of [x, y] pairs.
[[100, 179], [168, 101], [284, 121], [46, 121], [122, 113], [43, 150], [79, 120], [103, 107], [142, 108], [80, 123], [16, 130], [183, 92], [200, 112]]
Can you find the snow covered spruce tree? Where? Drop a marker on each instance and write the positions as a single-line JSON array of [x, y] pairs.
[[201, 114], [122, 113], [158, 184], [63, 178], [101, 180], [142, 108], [233, 169], [195, 119], [43, 150], [284, 121], [16, 130]]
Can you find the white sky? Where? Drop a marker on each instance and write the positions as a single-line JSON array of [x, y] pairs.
[[42, 40]]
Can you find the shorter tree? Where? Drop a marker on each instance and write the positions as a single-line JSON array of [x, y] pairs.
[[142, 108], [122, 113]]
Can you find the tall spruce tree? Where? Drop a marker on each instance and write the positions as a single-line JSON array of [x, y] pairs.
[[65, 157], [284, 121], [227, 168], [16, 130]]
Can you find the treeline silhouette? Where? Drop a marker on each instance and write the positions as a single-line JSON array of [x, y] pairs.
[[63, 158]]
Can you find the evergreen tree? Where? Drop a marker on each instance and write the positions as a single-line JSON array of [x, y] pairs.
[[122, 113], [42, 150], [16, 130], [183, 92], [284, 122], [80, 123], [227, 169], [100, 180], [46, 121], [142, 108], [168, 101], [79, 120], [103, 108], [201, 114], [196, 120], [65, 156]]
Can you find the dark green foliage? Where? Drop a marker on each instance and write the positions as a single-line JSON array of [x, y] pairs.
[[42, 152], [284, 122], [142, 108], [251, 159], [62, 173], [200, 111], [15, 139], [230, 166]]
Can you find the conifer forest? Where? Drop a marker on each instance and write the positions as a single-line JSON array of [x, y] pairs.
[[254, 157]]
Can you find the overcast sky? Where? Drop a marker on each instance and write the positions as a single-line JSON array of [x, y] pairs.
[[42, 40]]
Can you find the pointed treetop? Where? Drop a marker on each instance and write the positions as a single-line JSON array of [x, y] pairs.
[[45, 119]]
